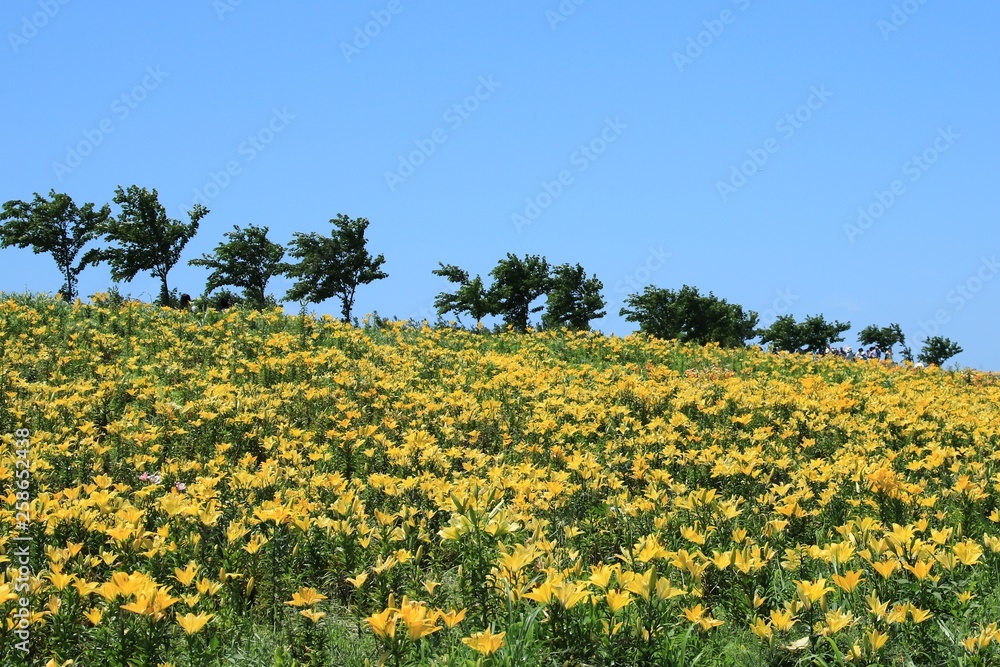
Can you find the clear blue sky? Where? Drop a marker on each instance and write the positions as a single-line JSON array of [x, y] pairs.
[[644, 110]]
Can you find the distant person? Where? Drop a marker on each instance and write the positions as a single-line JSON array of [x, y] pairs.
[[186, 301]]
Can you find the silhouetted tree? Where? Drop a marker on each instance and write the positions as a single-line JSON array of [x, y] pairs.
[[470, 297], [814, 334], [333, 266], [689, 316], [517, 283], [55, 226], [247, 260], [573, 299], [883, 337], [147, 239], [937, 350], [784, 334], [818, 334]]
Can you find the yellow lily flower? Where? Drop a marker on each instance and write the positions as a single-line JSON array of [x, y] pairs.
[[484, 642], [193, 623]]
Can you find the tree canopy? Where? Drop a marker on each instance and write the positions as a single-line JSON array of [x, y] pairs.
[[573, 299], [814, 334], [470, 297], [883, 337], [144, 239], [517, 283], [333, 266], [689, 316], [247, 259], [937, 350], [147, 239], [56, 226]]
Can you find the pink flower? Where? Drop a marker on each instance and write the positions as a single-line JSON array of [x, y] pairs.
[[180, 486]]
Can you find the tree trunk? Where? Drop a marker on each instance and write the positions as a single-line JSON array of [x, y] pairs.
[[165, 292], [70, 291]]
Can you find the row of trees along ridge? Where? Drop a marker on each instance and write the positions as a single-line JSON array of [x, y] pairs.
[[142, 238]]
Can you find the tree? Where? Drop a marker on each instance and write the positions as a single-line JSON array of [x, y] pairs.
[[55, 226], [220, 300], [247, 260], [517, 283], [784, 334], [818, 334], [937, 350], [470, 297], [333, 266], [689, 316], [814, 334], [148, 240], [883, 337], [573, 299]]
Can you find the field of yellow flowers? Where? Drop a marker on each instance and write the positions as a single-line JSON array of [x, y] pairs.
[[247, 488]]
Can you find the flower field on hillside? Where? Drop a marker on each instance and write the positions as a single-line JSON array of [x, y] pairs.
[[255, 488]]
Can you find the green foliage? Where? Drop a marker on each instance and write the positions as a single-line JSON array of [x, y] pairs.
[[223, 299], [247, 260], [818, 334], [784, 334], [180, 353], [332, 266], [937, 350], [470, 297], [56, 226], [688, 316], [883, 337], [517, 283], [573, 299], [814, 334], [147, 239]]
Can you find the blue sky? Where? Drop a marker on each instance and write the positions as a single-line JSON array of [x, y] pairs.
[[801, 158]]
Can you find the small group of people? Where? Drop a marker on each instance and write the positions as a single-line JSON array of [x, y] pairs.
[[873, 352]]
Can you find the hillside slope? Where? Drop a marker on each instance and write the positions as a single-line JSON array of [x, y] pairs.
[[255, 488]]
